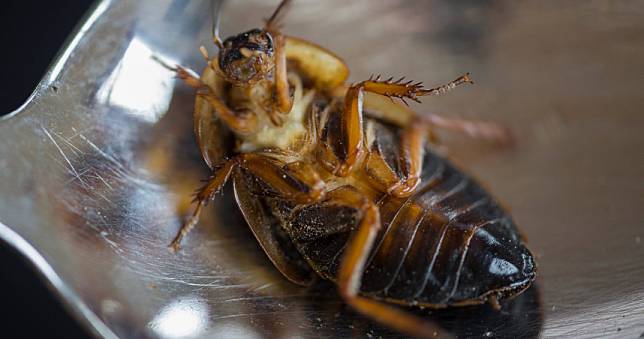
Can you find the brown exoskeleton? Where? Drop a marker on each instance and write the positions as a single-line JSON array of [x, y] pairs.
[[342, 182]]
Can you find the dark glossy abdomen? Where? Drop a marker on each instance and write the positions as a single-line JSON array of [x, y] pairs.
[[450, 243]]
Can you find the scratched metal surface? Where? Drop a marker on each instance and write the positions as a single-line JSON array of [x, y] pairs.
[[102, 161]]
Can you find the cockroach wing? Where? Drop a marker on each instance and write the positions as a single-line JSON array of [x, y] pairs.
[[325, 69], [269, 234], [212, 136]]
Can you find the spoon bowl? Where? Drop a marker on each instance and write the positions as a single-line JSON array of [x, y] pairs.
[[102, 161]]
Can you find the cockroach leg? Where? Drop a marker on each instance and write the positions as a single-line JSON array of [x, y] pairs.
[[409, 89], [474, 129], [400, 183], [463, 79], [412, 151], [204, 53], [284, 101], [189, 77], [203, 195], [399, 88], [403, 116], [341, 138], [296, 181], [353, 265], [240, 121]]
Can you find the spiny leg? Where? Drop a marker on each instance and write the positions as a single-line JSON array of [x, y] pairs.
[[294, 180], [202, 197], [463, 79], [342, 136], [402, 89], [353, 266], [402, 116]]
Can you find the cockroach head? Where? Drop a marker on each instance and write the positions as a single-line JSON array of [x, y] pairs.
[[247, 57]]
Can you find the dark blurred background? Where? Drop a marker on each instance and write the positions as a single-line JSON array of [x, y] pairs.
[[31, 33]]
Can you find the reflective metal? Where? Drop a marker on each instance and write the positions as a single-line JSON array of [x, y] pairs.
[[96, 169]]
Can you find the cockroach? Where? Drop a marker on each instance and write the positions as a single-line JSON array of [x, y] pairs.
[[341, 182]]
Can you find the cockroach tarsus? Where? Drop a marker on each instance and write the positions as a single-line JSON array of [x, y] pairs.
[[335, 182]]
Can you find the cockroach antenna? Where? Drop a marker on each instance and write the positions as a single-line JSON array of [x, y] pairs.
[[274, 22], [216, 15]]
